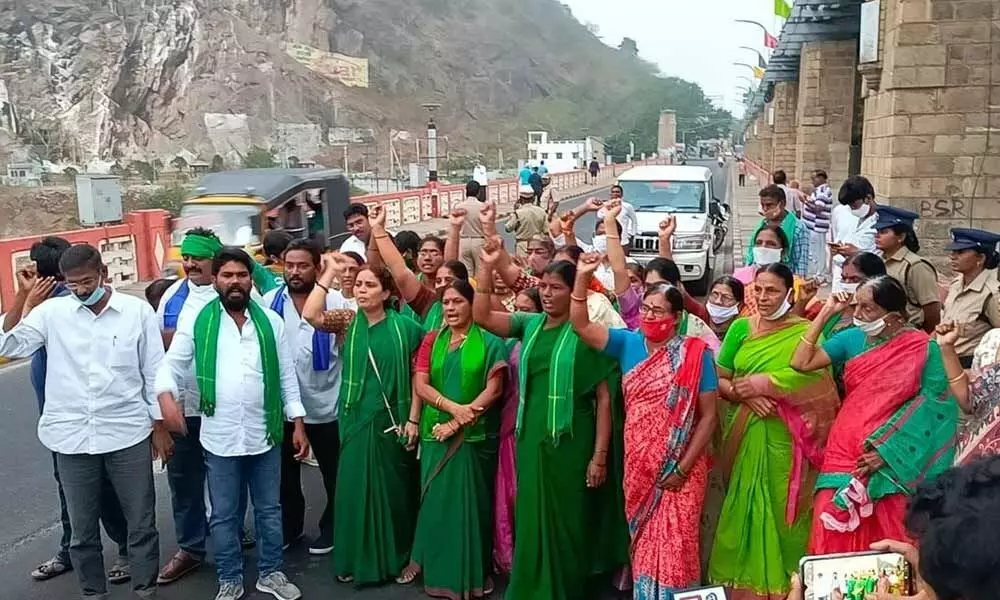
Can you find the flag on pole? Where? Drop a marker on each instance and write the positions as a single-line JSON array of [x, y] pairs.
[[758, 72], [782, 9], [770, 41]]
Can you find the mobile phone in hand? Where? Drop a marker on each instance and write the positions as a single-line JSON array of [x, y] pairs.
[[855, 575], [714, 592]]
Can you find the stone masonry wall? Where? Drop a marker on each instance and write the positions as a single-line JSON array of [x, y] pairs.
[[932, 117], [786, 96], [827, 72]]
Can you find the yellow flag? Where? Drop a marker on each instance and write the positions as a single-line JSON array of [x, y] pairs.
[[758, 72]]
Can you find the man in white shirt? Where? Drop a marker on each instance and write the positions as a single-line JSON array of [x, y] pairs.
[[184, 299], [247, 385], [627, 218], [317, 365], [100, 414], [852, 223], [356, 217]]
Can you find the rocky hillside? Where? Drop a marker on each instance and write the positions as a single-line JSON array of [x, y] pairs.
[[148, 79]]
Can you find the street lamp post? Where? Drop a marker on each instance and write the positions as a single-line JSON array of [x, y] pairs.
[[432, 157]]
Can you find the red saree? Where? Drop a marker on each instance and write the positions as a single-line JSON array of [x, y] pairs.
[[661, 395]]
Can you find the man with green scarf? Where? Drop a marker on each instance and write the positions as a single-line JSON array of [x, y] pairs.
[[243, 405], [773, 205]]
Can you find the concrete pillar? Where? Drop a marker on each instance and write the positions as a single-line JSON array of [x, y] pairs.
[[766, 137], [667, 131], [931, 143], [785, 104], [825, 108]]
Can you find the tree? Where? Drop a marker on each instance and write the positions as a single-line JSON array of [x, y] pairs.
[[218, 164], [179, 163], [143, 169], [259, 158], [629, 47]]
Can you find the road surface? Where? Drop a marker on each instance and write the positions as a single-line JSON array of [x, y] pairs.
[[29, 506]]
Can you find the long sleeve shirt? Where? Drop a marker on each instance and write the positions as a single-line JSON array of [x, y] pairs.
[[628, 220], [99, 394], [197, 297], [238, 426]]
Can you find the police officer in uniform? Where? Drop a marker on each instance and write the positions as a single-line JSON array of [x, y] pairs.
[[899, 245], [974, 296]]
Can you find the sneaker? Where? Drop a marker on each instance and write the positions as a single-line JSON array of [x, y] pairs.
[[323, 544], [231, 590], [295, 540], [278, 586]]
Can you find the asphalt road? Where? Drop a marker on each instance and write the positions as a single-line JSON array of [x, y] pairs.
[[29, 506]]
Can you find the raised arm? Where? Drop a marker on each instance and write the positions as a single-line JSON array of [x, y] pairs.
[[29, 334], [666, 233], [616, 254], [593, 334], [958, 377], [27, 279], [808, 355], [453, 243], [482, 306], [405, 280]]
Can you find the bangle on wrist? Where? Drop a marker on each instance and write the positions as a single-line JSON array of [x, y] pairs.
[[322, 287], [807, 341], [577, 298], [486, 291], [958, 377], [680, 472], [413, 422]]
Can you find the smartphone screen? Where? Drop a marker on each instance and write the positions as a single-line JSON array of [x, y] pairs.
[[704, 593], [854, 576]]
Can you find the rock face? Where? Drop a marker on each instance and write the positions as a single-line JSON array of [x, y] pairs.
[[144, 79]]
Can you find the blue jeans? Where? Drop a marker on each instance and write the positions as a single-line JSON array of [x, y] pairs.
[[186, 475], [228, 479]]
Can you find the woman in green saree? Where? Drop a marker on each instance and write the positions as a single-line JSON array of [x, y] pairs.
[[375, 503], [773, 440], [569, 523], [458, 376]]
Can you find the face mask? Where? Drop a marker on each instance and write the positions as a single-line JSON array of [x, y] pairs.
[[850, 288], [600, 243], [766, 256], [786, 305], [870, 328], [94, 297], [658, 331], [721, 314], [861, 212]]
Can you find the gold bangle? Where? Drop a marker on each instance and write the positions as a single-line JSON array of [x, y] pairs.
[[957, 377], [381, 237], [485, 291], [577, 298], [807, 342], [680, 472]]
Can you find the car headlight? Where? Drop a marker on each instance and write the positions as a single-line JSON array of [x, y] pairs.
[[695, 242]]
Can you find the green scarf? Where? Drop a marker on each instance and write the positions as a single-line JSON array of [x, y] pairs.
[[264, 279], [435, 317], [200, 246], [206, 355], [561, 374], [788, 226], [472, 376], [357, 364], [682, 325]]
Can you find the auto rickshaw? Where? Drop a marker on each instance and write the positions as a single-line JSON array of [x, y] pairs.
[[241, 206]]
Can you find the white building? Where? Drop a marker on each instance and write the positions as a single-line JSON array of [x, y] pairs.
[[562, 156]]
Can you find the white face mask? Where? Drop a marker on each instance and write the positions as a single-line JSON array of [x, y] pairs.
[[870, 328], [862, 211], [849, 287], [600, 243], [786, 305], [721, 314], [766, 256]]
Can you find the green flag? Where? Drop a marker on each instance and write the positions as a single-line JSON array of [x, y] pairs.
[[782, 9]]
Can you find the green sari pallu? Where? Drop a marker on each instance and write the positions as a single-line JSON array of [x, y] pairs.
[[454, 530], [564, 532], [376, 496], [769, 463]]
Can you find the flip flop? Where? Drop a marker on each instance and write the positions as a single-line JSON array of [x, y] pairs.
[[409, 574], [120, 573], [50, 568], [345, 578]]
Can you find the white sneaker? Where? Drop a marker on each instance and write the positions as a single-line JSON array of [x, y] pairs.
[[230, 591], [278, 586]]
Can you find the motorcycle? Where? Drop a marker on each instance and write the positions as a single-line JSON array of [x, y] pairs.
[[718, 212]]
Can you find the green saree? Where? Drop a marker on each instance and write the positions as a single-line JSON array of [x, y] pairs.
[[454, 532], [763, 530], [376, 500], [564, 532]]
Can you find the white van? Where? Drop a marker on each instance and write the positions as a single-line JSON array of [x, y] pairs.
[[658, 192]]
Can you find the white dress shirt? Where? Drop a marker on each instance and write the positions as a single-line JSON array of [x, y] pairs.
[[99, 394], [237, 428], [318, 389], [845, 228], [628, 220], [198, 297]]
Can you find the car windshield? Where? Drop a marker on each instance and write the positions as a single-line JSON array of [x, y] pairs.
[[233, 223], [665, 196]]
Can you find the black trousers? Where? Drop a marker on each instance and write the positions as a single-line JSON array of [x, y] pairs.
[[325, 441], [743, 179]]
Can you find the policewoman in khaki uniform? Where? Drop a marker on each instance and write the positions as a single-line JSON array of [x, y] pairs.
[[974, 296], [899, 245]]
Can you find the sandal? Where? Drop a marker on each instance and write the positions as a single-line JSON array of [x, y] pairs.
[[488, 587], [345, 578], [50, 568], [120, 573], [409, 573]]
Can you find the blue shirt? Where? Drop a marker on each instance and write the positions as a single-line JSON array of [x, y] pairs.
[[39, 359], [524, 175], [629, 347], [542, 169]]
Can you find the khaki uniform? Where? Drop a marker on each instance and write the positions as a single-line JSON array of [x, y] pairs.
[[918, 278], [976, 306], [525, 222]]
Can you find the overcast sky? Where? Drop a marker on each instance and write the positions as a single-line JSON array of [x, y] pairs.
[[693, 39]]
